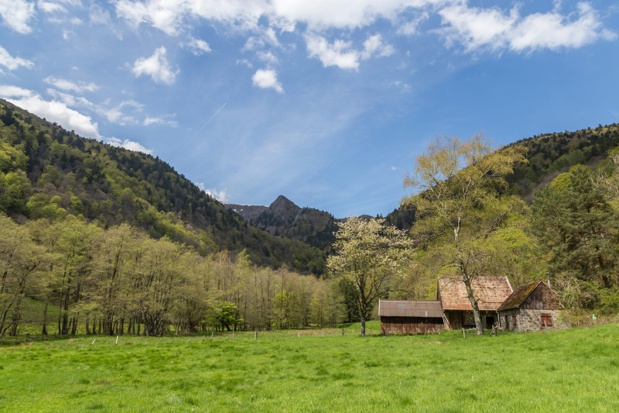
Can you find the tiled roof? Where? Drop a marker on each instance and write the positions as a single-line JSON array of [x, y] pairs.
[[490, 293], [392, 308], [518, 297]]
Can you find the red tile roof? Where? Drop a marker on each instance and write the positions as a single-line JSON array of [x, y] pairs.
[[490, 293]]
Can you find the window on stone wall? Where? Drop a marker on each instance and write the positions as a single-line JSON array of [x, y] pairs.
[[546, 320]]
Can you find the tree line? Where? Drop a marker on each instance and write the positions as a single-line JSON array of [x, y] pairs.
[[85, 279]]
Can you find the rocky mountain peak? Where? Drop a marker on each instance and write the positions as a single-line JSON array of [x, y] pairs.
[[284, 207]]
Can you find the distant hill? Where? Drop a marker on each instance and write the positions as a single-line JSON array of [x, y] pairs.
[[284, 218], [48, 172]]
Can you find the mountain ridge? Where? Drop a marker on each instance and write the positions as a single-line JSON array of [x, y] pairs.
[[284, 218]]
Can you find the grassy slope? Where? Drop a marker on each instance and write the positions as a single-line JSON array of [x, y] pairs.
[[573, 370]]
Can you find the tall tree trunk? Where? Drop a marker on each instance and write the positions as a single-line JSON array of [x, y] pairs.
[[467, 281], [44, 326], [469, 291]]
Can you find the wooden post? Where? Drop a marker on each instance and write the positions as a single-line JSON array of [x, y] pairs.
[[463, 332], [343, 332], [256, 335], [212, 333], [117, 339]]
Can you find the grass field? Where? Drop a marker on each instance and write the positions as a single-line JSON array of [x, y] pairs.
[[558, 371]]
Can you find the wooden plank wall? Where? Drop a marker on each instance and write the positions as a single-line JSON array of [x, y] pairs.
[[410, 325]]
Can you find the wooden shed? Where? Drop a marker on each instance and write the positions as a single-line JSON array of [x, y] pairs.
[[531, 307], [490, 292], [410, 317]]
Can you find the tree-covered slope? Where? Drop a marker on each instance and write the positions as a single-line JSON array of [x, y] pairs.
[[553, 153], [547, 155], [48, 172]]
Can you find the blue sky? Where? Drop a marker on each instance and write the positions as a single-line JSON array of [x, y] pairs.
[[326, 101]]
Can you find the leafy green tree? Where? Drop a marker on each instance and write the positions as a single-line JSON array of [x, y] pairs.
[[20, 263], [116, 251], [579, 229], [367, 254], [459, 185], [327, 306], [225, 313]]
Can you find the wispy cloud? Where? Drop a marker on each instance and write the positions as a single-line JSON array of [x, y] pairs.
[[67, 85], [198, 47], [13, 63], [341, 54], [149, 120]]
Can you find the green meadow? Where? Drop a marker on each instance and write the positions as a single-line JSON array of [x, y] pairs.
[[575, 370]]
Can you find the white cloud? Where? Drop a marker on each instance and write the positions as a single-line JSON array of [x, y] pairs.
[[11, 62], [50, 7], [169, 15], [78, 87], [156, 66], [411, 27], [9, 91], [337, 53], [494, 29], [476, 28], [220, 195], [117, 114], [267, 79], [344, 14], [127, 144], [16, 13], [553, 31], [341, 54], [197, 46], [374, 46], [148, 121], [60, 113]]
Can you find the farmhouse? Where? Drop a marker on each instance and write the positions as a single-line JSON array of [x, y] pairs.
[[490, 293], [530, 307], [410, 317]]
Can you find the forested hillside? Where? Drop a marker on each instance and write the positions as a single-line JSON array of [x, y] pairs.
[[553, 153], [48, 172], [547, 155]]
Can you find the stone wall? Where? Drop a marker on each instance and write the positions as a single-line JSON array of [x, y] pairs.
[[529, 320]]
